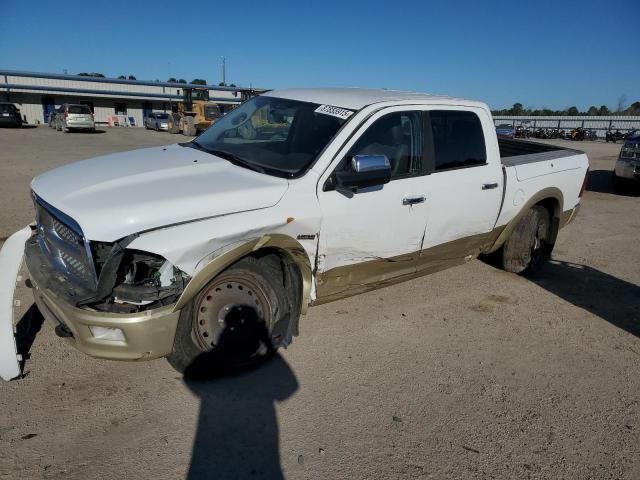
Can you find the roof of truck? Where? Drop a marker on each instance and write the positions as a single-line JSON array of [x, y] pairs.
[[357, 98]]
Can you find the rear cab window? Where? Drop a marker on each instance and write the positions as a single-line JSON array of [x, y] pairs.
[[457, 140]]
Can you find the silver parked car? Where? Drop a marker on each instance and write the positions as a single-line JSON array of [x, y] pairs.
[[71, 116], [157, 121], [626, 173]]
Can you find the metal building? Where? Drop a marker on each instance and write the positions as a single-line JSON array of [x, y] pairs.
[[38, 94]]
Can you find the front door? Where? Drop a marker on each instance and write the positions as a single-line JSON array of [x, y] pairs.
[[48, 106], [147, 108], [372, 236]]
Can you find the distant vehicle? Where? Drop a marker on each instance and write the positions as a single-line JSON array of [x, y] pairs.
[[505, 130], [157, 121], [9, 115], [522, 132], [612, 136], [74, 116], [627, 170]]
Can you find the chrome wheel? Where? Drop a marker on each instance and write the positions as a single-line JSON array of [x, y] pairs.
[[215, 302]]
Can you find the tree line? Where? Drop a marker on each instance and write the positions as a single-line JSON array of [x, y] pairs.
[[195, 81], [603, 110]]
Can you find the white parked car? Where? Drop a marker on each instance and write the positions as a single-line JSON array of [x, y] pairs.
[[213, 248], [74, 117]]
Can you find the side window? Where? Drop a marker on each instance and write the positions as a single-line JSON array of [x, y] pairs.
[[458, 139], [399, 137]]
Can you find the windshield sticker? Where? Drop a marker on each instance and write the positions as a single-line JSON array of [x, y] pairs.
[[334, 111]]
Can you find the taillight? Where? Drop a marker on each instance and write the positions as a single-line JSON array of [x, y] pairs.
[[66, 114], [584, 183]]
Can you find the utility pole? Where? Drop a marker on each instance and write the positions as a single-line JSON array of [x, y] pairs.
[[224, 71]]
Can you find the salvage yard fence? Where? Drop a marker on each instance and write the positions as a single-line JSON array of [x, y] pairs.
[[567, 123]]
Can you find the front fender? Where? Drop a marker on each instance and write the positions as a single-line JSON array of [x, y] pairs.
[[226, 256]]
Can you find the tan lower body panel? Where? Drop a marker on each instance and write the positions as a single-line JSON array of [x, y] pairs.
[[348, 280], [342, 282]]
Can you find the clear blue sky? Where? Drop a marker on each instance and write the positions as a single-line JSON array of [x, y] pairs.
[[540, 53]]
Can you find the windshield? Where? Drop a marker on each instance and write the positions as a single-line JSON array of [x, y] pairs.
[[162, 116], [275, 135]]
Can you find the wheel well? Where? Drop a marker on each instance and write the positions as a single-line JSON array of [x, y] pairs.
[[553, 208], [291, 278]]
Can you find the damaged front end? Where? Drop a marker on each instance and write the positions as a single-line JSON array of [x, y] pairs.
[[100, 276]]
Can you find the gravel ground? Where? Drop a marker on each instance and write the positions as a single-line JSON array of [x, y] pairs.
[[468, 373]]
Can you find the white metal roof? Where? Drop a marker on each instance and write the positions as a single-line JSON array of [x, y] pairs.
[[357, 98]]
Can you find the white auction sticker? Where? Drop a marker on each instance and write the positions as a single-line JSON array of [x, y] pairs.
[[334, 111]]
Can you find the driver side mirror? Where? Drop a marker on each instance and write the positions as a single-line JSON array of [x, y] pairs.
[[366, 171]]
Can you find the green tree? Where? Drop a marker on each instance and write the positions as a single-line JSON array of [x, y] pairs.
[[517, 109], [593, 111], [131, 77], [122, 77], [604, 110], [172, 80], [182, 80], [573, 111], [199, 81], [222, 84]]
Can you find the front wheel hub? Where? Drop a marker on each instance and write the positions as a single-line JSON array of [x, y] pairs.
[[215, 303]]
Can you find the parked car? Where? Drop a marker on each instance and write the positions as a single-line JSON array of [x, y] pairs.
[[208, 251], [626, 174], [157, 121], [9, 115], [71, 116], [505, 130]]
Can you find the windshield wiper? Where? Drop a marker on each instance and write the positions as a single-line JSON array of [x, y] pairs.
[[236, 160]]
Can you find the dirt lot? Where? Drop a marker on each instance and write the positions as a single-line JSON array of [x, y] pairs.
[[469, 373]]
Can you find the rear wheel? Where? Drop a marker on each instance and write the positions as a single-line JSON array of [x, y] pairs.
[[228, 325], [529, 244]]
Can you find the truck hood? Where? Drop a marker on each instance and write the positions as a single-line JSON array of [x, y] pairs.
[[116, 195]]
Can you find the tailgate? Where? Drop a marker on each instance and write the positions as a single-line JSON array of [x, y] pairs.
[[10, 262]]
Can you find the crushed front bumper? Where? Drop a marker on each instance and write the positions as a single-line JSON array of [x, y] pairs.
[[10, 262], [147, 334]]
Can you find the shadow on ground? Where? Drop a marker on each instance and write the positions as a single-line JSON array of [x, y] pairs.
[[237, 433], [602, 181], [26, 330], [238, 384], [614, 300]]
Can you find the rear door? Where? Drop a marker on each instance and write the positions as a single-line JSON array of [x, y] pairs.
[[465, 182], [79, 113]]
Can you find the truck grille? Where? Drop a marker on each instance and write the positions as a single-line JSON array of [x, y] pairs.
[[64, 246]]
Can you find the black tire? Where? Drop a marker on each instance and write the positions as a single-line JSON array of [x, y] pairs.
[[242, 335], [619, 186], [528, 246]]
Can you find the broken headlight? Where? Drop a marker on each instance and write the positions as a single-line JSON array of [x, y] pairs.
[[132, 280]]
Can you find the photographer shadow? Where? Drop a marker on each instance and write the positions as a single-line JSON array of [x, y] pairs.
[[237, 433], [614, 300]]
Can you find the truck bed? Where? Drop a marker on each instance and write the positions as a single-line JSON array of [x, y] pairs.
[[519, 152]]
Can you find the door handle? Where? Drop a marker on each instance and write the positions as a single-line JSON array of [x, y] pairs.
[[489, 186], [413, 200]]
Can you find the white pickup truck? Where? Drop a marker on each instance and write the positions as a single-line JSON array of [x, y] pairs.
[[296, 198]]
